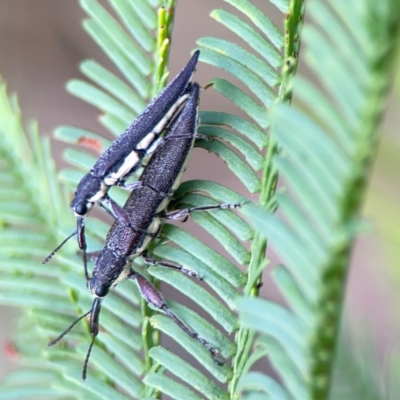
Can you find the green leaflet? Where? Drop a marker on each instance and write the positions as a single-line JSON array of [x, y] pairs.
[[216, 191], [253, 157], [199, 295], [122, 41], [195, 321], [34, 299], [293, 294], [249, 35], [323, 110], [227, 218], [239, 71], [145, 12], [259, 382], [81, 160], [169, 387], [242, 126], [241, 100], [282, 325], [113, 123], [235, 52], [189, 374], [298, 222], [34, 390], [114, 370], [235, 164], [326, 147], [260, 20], [221, 373], [43, 285], [226, 239], [285, 368], [93, 386], [127, 68], [282, 5], [29, 376], [205, 254], [99, 99], [112, 84], [211, 278], [133, 21], [73, 135]]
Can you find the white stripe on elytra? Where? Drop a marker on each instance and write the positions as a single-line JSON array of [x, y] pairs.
[[133, 158], [164, 121]]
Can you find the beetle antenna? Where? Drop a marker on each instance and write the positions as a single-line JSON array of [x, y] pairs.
[[50, 256], [54, 341], [85, 365]]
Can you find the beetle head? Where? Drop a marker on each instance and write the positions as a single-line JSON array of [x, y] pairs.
[[87, 193]]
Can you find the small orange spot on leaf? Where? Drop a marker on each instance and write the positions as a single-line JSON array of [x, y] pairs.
[[90, 143], [11, 351]]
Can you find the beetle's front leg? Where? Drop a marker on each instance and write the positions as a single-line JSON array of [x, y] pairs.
[[80, 224], [115, 210], [118, 213]]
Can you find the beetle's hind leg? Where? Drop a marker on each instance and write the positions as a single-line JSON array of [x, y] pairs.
[[154, 297]]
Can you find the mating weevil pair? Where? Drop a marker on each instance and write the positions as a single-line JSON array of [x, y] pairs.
[[125, 154], [143, 215]]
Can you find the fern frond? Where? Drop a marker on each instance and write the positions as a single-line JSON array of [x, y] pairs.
[[326, 147], [51, 296], [120, 102], [35, 219], [239, 143]]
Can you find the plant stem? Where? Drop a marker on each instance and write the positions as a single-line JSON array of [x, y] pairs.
[[244, 338], [151, 336], [330, 304]]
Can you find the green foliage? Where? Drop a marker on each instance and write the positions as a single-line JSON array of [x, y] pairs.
[[322, 149], [326, 147]]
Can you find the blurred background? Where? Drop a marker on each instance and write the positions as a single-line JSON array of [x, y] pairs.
[[41, 45]]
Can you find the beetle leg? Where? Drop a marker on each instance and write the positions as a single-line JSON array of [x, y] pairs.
[[180, 214], [154, 297], [118, 213], [160, 142], [115, 210], [93, 255], [130, 186], [172, 265]]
